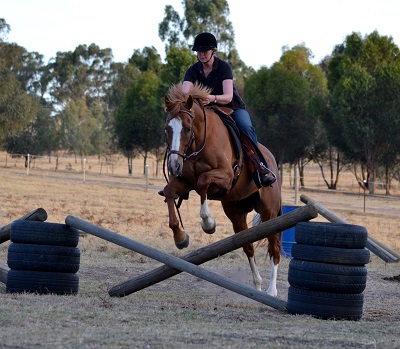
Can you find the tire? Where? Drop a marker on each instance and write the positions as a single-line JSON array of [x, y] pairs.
[[331, 234], [43, 233], [325, 277], [331, 255], [43, 258], [324, 305], [42, 282]]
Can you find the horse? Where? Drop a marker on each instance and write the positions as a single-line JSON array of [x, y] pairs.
[[201, 156]]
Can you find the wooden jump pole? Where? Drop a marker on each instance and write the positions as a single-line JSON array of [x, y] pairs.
[[176, 263], [38, 214], [217, 249], [376, 247]]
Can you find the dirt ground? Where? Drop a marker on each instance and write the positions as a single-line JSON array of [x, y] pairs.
[[184, 311]]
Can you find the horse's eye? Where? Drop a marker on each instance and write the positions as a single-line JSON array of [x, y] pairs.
[[188, 129]]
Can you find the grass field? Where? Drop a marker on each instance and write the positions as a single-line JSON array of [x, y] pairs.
[[184, 311]]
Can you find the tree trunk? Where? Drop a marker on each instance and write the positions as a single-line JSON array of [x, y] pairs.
[[130, 165], [387, 180], [144, 162]]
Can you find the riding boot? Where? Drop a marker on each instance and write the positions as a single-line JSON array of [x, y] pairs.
[[262, 175], [265, 176]]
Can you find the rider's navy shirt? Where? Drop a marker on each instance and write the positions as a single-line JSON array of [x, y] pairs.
[[221, 71]]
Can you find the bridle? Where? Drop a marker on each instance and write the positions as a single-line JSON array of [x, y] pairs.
[[192, 137]]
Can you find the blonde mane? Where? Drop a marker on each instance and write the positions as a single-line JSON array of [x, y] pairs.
[[177, 97]]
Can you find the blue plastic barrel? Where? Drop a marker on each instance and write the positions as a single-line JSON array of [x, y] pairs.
[[287, 235]]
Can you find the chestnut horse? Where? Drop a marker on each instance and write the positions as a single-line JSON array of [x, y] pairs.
[[201, 156]]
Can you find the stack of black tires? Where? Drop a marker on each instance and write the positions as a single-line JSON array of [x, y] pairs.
[[327, 274], [43, 258]]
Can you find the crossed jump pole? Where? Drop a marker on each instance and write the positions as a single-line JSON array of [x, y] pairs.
[[189, 263]]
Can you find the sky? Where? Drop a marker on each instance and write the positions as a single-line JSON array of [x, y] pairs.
[[262, 27]]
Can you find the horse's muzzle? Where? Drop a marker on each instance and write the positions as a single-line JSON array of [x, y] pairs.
[[175, 167]]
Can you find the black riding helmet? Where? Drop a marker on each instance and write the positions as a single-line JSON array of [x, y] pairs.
[[204, 42]]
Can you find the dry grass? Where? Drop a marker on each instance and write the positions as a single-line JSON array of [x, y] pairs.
[[183, 311]]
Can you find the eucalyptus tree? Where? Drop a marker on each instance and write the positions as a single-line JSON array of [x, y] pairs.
[[38, 137], [4, 29], [78, 82], [363, 79], [286, 101], [18, 108], [140, 118], [203, 16]]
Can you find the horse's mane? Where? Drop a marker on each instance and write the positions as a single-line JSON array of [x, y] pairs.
[[177, 97]]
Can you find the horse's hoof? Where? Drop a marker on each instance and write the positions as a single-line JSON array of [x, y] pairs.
[[184, 243], [210, 231], [208, 225], [272, 292]]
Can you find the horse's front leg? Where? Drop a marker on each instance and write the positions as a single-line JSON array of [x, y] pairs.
[[180, 237], [208, 223], [222, 180]]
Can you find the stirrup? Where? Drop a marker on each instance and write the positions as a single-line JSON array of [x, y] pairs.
[[265, 177]]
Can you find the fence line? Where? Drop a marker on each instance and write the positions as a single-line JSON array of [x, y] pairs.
[[117, 166]]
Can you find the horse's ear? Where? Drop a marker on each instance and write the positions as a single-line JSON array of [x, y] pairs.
[[189, 102]]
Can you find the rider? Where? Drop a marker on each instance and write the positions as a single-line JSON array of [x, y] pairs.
[[217, 74]]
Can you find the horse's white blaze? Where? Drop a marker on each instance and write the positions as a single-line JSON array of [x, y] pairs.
[[207, 222], [176, 126], [272, 291], [257, 280]]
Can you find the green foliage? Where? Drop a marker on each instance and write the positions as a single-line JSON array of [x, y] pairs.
[[140, 118], [85, 71], [82, 127], [364, 81], [4, 29], [17, 109], [147, 60], [177, 61], [38, 137], [285, 101]]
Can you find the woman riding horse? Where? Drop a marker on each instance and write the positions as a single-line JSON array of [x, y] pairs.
[[217, 74]]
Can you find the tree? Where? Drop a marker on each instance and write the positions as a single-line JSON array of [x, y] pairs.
[[17, 108], [361, 73], [4, 29], [140, 118], [73, 75], [177, 61], [285, 101], [82, 127], [37, 138], [203, 16]]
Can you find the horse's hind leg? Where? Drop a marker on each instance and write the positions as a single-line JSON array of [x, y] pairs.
[[257, 280], [238, 218], [274, 253], [274, 247]]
